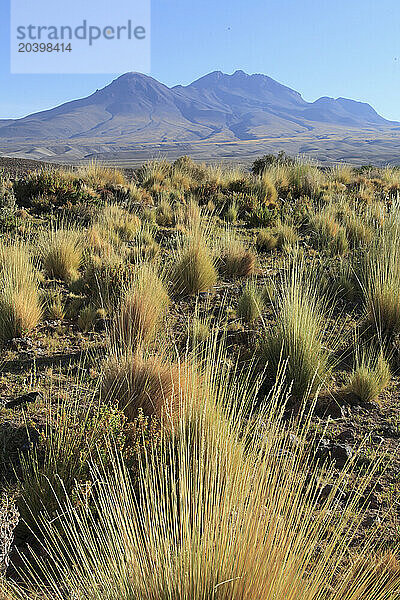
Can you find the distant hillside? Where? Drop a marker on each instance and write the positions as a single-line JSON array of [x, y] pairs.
[[217, 108]]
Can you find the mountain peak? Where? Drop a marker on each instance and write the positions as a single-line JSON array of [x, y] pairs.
[[218, 106]]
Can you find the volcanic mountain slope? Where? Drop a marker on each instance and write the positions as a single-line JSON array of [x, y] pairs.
[[216, 107]]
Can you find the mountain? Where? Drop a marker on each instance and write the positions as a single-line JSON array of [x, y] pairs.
[[217, 108]]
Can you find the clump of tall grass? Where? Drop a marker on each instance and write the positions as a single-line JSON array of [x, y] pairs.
[[266, 240], [379, 275], [251, 304], [305, 179], [139, 382], [194, 268], [97, 175], [144, 303], [341, 173], [286, 235], [20, 305], [299, 336], [87, 318], [61, 253], [236, 259], [54, 305], [327, 233], [117, 224], [226, 509], [370, 376], [359, 233]]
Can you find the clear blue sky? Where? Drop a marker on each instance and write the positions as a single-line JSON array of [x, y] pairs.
[[347, 48]]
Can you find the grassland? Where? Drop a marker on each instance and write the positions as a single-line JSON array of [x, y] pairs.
[[199, 382]]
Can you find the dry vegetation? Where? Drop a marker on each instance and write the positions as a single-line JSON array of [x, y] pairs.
[[200, 383]]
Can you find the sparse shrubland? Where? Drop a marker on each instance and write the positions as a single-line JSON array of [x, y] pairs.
[[199, 381]]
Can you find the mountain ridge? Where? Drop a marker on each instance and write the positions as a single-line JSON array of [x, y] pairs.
[[239, 106], [230, 114]]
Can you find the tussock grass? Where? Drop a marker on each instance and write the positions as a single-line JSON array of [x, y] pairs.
[[370, 376], [194, 268], [20, 304], [379, 274], [327, 233], [138, 382], [95, 174], [236, 259], [299, 335], [223, 511], [286, 235], [61, 252], [144, 304], [266, 240], [341, 173], [251, 304], [117, 224]]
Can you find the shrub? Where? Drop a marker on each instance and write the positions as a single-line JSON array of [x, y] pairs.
[[299, 332], [194, 269], [260, 164], [370, 377], [57, 187], [250, 304], [20, 306], [61, 253]]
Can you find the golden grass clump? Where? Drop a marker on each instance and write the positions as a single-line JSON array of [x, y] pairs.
[[20, 305], [370, 376], [379, 274], [236, 260], [299, 334], [327, 233], [251, 304], [227, 508], [117, 224], [194, 269], [144, 304], [97, 175], [143, 383], [266, 240], [359, 232], [341, 173], [305, 179], [286, 235], [61, 252]]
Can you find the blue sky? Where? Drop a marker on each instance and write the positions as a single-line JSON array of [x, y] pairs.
[[320, 48]]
